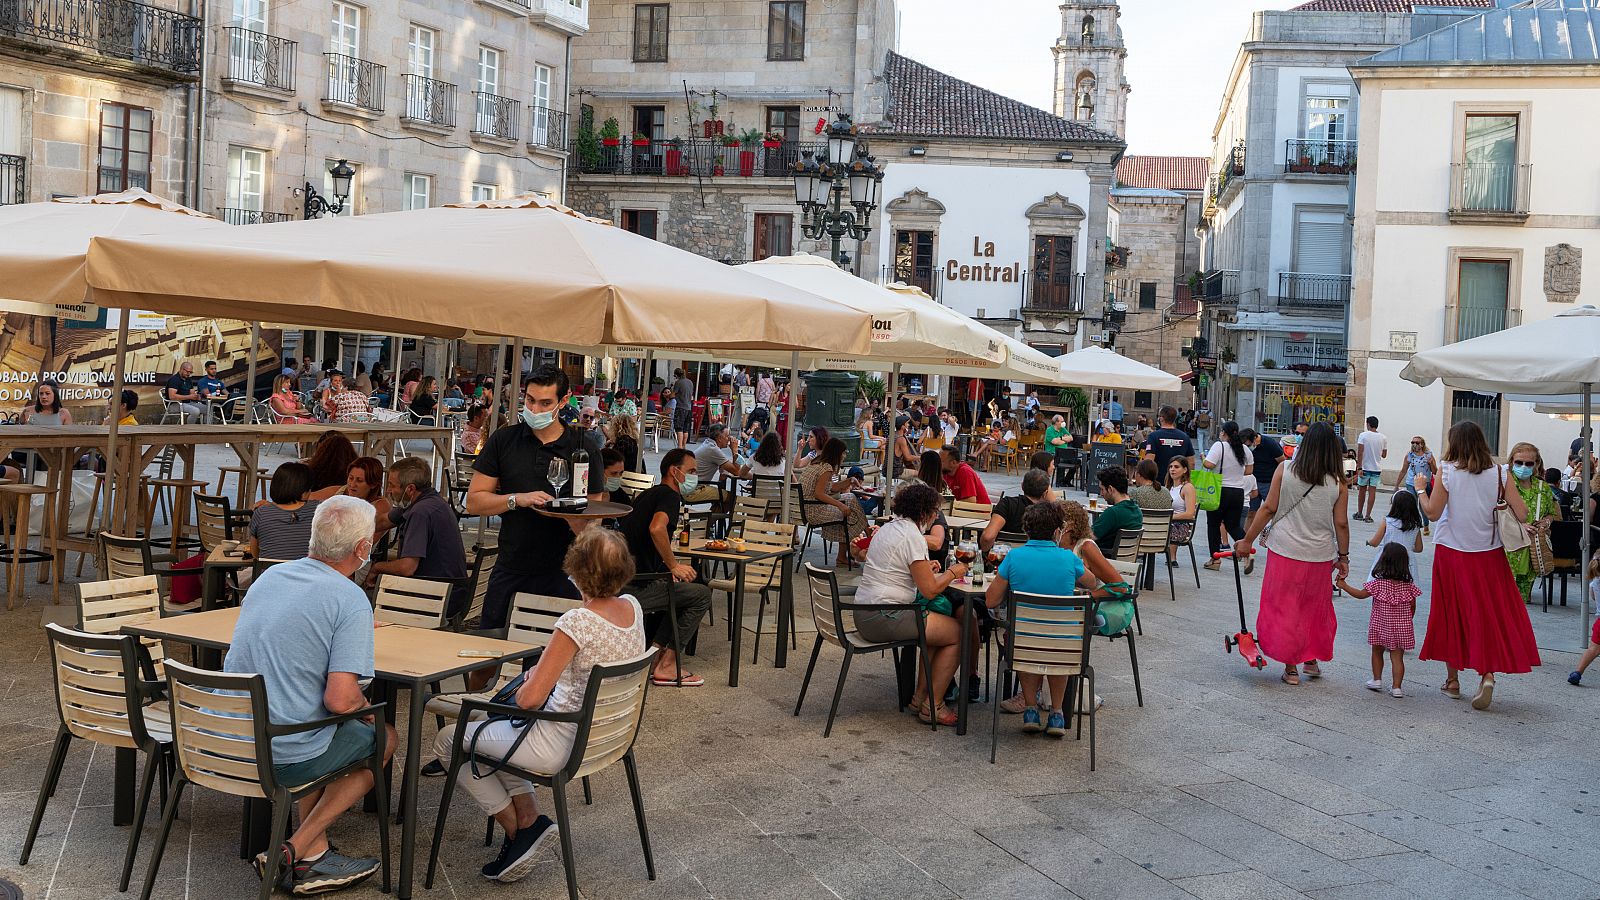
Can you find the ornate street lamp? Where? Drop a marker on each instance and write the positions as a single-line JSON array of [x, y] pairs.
[[846, 176], [317, 205]]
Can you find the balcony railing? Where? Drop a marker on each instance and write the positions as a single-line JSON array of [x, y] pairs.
[[118, 29], [547, 128], [1232, 168], [1311, 291], [13, 179], [929, 278], [1044, 293], [1465, 322], [1220, 287], [430, 102], [111, 179], [260, 59], [691, 156], [234, 215], [1116, 257], [1489, 190], [1320, 157], [354, 82], [495, 116]]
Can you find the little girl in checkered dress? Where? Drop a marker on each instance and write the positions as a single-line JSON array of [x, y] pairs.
[[1394, 604]]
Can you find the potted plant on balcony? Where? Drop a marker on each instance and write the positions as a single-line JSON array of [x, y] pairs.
[[1269, 363], [640, 140], [675, 164], [772, 140], [588, 147], [611, 133], [748, 139], [1328, 167], [1302, 165]]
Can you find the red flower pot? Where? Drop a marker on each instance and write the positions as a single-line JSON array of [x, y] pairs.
[[611, 142], [675, 164], [747, 163]]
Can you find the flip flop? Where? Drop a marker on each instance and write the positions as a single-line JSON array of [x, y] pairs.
[[1289, 678], [687, 681], [1312, 670], [1452, 693]]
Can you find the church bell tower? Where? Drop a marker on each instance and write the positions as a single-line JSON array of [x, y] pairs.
[[1090, 84]]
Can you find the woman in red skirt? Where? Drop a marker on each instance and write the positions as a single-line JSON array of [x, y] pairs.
[[1477, 619], [1310, 539]]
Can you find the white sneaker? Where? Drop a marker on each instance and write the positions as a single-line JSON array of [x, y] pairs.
[[1396, 693], [1374, 685]]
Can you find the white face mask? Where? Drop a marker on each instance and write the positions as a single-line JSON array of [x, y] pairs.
[[366, 557]]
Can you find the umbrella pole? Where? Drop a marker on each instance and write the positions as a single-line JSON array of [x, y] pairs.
[[399, 371], [250, 374], [891, 398], [794, 434], [644, 402], [1588, 466], [495, 386], [109, 517], [514, 378]]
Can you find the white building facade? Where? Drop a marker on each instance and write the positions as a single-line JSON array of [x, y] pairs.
[[1477, 204]]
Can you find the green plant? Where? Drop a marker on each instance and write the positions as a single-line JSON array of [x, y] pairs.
[[1269, 363], [1194, 282], [871, 387], [750, 137], [588, 145], [1076, 403], [611, 129]]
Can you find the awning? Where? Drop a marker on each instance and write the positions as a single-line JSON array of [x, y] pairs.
[[1271, 321]]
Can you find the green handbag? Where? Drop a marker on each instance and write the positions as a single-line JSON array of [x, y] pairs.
[[939, 604], [1207, 489]]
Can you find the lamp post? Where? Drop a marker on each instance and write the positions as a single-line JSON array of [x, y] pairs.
[[823, 187], [317, 205]]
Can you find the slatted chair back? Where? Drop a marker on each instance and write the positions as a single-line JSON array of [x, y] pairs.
[[831, 622], [218, 730], [1050, 634], [971, 509], [933, 441], [1014, 538], [636, 483], [417, 602], [768, 488], [533, 618], [1129, 541], [212, 521], [762, 535], [750, 509], [483, 560], [96, 696], [1153, 536], [124, 557], [613, 708]]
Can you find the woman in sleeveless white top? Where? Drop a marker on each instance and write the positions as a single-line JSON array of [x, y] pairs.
[[1310, 538]]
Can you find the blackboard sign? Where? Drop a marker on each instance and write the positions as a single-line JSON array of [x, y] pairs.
[[1103, 456]]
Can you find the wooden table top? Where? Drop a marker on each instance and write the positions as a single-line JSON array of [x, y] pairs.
[[400, 652], [965, 522], [697, 550], [238, 559]]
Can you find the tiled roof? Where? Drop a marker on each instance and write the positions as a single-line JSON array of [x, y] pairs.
[[924, 102], [1545, 31], [1388, 6], [1174, 173]]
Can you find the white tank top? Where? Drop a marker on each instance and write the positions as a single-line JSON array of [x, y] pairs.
[[1468, 521], [1178, 508], [1302, 528]]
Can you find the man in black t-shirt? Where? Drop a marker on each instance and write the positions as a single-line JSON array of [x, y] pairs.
[[1007, 514], [1167, 442], [649, 530], [511, 476]]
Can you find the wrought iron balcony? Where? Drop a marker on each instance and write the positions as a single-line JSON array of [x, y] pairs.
[[114, 29], [1220, 287], [234, 215], [930, 279], [689, 156], [496, 116], [1465, 322], [1116, 257], [112, 179], [13, 179], [1320, 157], [260, 59], [1490, 192], [1306, 290], [429, 102], [354, 82], [1232, 168], [1043, 292], [548, 128]]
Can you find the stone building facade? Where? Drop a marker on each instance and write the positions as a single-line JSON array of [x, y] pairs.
[[97, 96]]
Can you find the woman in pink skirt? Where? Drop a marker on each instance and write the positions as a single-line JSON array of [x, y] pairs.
[[1309, 540], [1477, 619]]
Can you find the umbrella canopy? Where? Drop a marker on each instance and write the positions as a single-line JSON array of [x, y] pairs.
[[520, 268], [1102, 368], [44, 244], [1558, 355]]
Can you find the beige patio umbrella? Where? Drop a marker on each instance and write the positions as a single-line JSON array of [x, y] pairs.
[[521, 268]]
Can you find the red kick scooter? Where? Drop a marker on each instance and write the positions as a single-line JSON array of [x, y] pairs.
[[1244, 640]]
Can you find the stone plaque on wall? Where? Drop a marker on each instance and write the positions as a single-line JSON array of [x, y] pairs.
[[1563, 269], [1403, 341]]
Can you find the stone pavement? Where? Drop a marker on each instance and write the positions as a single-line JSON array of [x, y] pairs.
[[1226, 784]]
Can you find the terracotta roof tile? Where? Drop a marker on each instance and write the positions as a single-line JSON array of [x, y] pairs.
[[925, 102], [1173, 173], [1387, 6]]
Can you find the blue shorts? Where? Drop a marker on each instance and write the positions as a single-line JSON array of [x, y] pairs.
[[352, 742], [1369, 478]]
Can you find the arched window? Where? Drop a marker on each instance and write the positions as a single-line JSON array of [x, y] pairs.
[[1088, 29], [1083, 108]]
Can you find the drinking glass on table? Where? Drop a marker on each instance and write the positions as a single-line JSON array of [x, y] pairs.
[[558, 475]]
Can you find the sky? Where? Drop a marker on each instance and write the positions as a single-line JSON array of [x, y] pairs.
[[1179, 56]]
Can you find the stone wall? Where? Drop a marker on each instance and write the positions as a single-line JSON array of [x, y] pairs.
[[1156, 232], [717, 222]]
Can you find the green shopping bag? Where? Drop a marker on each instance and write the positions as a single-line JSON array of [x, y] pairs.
[[1207, 489]]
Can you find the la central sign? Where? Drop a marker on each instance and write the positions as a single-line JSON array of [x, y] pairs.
[[985, 271]]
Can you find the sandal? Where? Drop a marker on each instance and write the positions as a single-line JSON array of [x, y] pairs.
[[1484, 696], [1451, 689], [1289, 677], [688, 680], [946, 716], [1312, 670]]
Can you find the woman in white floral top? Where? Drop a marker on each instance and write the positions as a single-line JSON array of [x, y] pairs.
[[607, 629]]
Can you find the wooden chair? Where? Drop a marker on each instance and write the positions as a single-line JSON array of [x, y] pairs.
[[1153, 546], [829, 610], [215, 521], [417, 602], [532, 621], [131, 557], [1050, 635], [483, 561], [17, 555], [768, 488], [803, 506], [222, 734], [1007, 454], [636, 483], [607, 727], [971, 509], [761, 578], [106, 607], [105, 694], [1188, 536], [747, 509]]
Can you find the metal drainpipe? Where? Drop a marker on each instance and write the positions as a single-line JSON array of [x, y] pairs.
[[197, 107], [566, 111]]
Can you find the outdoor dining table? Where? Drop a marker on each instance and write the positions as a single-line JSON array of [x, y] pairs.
[[412, 658], [972, 604], [965, 523], [214, 572], [740, 559]]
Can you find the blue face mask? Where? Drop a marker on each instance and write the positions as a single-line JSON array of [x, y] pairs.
[[537, 421], [1522, 471], [614, 484], [690, 483]]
